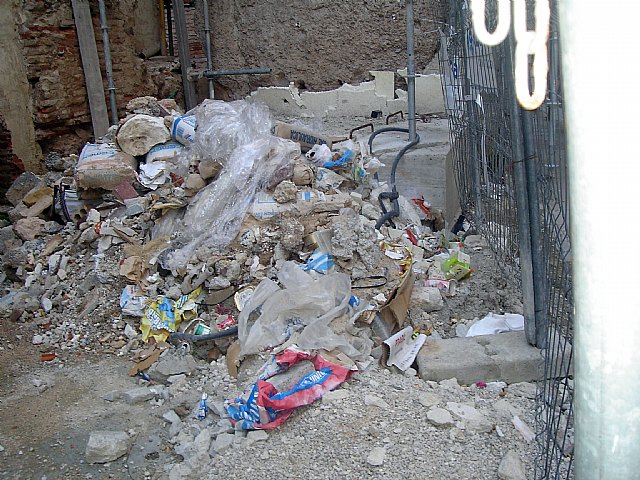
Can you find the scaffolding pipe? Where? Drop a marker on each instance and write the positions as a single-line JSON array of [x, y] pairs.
[[168, 9], [597, 40], [163, 28], [411, 73], [190, 99], [207, 45], [113, 106], [242, 71]]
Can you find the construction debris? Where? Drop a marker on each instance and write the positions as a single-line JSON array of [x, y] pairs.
[[205, 237]]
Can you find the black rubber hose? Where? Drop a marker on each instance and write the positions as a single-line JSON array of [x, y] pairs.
[[189, 337], [393, 194]]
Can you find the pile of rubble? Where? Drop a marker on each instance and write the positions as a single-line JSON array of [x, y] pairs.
[[224, 235]]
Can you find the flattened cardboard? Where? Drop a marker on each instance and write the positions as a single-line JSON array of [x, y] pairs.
[[396, 309]]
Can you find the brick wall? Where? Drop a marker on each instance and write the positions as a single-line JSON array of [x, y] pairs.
[[10, 165], [50, 47]]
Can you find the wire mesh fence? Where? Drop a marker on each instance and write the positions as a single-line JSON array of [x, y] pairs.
[[488, 138]]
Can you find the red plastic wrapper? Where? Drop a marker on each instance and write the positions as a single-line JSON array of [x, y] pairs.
[[265, 408]]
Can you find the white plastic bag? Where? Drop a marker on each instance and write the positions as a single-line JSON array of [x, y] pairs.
[[305, 306]]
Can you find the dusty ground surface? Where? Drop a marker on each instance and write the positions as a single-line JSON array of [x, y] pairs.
[[379, 424], [48, 409]]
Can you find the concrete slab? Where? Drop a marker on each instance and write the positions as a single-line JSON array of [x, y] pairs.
[[505, 356], [422, 170], [353, 100]]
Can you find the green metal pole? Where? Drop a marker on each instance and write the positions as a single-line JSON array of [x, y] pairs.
[[600, 72]]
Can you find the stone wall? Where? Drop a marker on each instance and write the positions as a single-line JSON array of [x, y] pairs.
[[10, 164], [50, 47], [318, 44]]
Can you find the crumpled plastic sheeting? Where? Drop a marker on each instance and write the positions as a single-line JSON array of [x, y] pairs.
[[223, 126], [238, 135], [304, 308]]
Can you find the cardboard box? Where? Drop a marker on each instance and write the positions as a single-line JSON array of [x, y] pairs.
[[306, 138]]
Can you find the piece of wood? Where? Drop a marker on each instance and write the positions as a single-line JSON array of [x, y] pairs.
[[91, 67]]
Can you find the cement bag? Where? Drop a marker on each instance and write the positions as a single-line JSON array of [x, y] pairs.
[[103, 165]]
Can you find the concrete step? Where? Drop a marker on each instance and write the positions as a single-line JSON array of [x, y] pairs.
[[503, 357], [422, 169]]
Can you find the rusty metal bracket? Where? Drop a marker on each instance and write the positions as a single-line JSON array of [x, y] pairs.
[[361, 127], [393, 115]]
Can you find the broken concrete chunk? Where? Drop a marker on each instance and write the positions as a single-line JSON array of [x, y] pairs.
[[194, 183], [429, 399], [427, 299], [257, 436], [473, 418], [335, 395], [222, 443], [137, 395], [21, 186], [440, 417], [286, 191], [372, 400], [209, 169], [376, 456], [172, 364], [29, 228], [140, 133], [302, 174], [511, 467], [106, 446]]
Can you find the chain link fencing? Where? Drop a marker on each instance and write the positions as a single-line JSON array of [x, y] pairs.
[[511, 173]]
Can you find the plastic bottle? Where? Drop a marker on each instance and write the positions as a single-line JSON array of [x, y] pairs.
[[202, 408]]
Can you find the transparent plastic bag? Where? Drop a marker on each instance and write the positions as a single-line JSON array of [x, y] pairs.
[[224, 126], [213, 218], [304, 307]]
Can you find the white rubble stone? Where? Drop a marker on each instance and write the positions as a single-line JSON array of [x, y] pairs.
[[335, 395], [93, 217], [429, 399], [440, 417], [427, 299], [473, 419], [523, 428], [106, 446], [451, 383], [137, 395], [257, 436], [46, 304], [37, 339], [372, 400], [511, 467], [523, 389], [222, 443], [376, 456]]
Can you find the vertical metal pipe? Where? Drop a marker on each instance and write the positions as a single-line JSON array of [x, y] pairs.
[[602, 125], [537, 257], [207, 44], [522, 201], [113, 106], [163, 28], [169, 9], [411, 73], [190, 99]]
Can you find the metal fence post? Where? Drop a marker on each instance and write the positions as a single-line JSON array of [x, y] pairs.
[[522, 202], [537, 259], [598, 45]]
